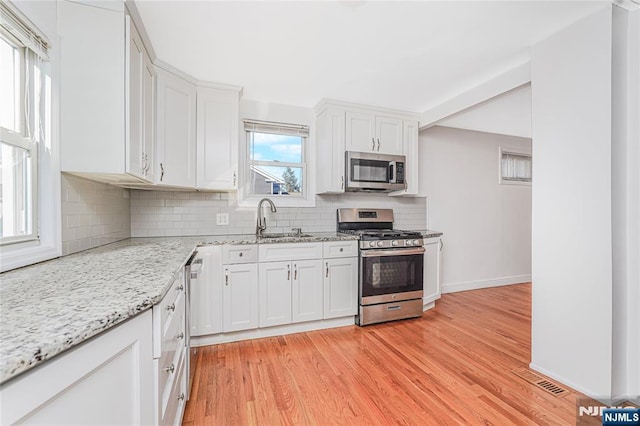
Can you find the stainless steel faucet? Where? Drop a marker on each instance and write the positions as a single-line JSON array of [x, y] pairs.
[[262, 221]]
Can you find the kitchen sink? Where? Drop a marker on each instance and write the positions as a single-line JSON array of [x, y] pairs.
[[285, 235]]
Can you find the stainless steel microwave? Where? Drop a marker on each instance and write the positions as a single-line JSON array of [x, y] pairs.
[[374, 172]]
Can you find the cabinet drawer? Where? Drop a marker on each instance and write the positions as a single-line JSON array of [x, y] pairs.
[[291, 251], [167, 307], [174, 399], [172, 348], [239, 254], [332, 249]]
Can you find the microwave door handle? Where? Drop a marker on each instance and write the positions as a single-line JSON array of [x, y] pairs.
[[392, 168]]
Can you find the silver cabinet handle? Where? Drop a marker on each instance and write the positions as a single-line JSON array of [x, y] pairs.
[[226, 277], [180, 287], [288, 272], [441, 245], [170, 369], [295, 272], [378, 144], [180, 336], [161, 172], [234, 178], [342, 184], [181, 397], [171, 307], [373, 146], [327, 273], [143, 163]]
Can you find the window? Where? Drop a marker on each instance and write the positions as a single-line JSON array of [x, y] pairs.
[[27, 156], [276, 159], [515, 167]]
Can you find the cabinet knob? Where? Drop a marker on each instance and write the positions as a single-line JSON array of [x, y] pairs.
[[341, 249], [171, 307], [240, 254], [170, 369], [180, 397], [180, 336], [181, 286]]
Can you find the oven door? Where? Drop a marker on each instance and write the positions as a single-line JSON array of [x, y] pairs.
[[391, 275]]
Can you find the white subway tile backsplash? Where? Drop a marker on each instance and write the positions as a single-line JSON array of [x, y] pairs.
[[93, 214], [194, 213]]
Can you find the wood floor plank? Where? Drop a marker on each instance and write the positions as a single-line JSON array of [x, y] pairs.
[[453, 366]]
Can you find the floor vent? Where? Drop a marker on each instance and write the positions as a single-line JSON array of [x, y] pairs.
[[541, 382]]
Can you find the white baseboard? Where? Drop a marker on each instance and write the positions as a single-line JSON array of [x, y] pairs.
[[279, 330], [567, 382], [474, 285]]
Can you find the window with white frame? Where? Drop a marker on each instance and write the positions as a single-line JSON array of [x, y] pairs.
[[275, 159], [515, 167], [23, 107]]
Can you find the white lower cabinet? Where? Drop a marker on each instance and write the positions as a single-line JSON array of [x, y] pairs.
[[206, 292], [107, 380], [290, 291], [340, 287], [240, 297], [432, 261]]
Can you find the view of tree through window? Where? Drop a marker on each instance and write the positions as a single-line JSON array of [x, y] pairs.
[[276, 163]]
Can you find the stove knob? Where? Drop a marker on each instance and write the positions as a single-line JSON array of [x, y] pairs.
[[408, 243], [416, 242], [394, 243], [372, 244], [380, 243]]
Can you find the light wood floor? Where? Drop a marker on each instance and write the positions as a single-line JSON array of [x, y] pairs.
[[452, 366]]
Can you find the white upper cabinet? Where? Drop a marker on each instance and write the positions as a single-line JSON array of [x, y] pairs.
[[175, 161], [368, 132], [330, 149], [342, 127], [217, 139], [105, 120]]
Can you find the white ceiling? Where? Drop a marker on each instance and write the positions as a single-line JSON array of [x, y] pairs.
[[406, 55]]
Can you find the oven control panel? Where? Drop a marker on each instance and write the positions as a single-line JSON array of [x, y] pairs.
[[412, 242]]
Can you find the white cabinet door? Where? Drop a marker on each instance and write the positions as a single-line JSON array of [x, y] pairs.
[[388, 135], [175, 131], [240, 297], [136, 157], [432, 262], [360, 131], [410, 151], [307, 288], [217, 139], [106, 380], [340, 287], [206, 292], [330, 151], [148, 125], [275, 293], [92, 88]]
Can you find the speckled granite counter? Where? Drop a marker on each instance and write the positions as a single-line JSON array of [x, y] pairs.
[[50, 307]]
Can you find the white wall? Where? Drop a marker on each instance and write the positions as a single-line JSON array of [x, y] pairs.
[[626, 199], [505, 114], [487, 226], [571, 199]]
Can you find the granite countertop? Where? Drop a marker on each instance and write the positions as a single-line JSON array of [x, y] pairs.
[[52, 306]]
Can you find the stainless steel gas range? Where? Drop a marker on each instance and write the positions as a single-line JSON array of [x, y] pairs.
[[391, 266]]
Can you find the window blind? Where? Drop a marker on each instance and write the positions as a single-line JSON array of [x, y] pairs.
[[276, 128], [17, 25], [516, 167]]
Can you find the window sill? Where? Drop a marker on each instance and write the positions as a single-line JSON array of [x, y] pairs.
[[15, 256]]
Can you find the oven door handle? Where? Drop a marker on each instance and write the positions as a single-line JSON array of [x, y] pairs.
[[393, 252]]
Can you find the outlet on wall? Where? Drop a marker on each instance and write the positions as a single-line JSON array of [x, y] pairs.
[[222, 218]]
